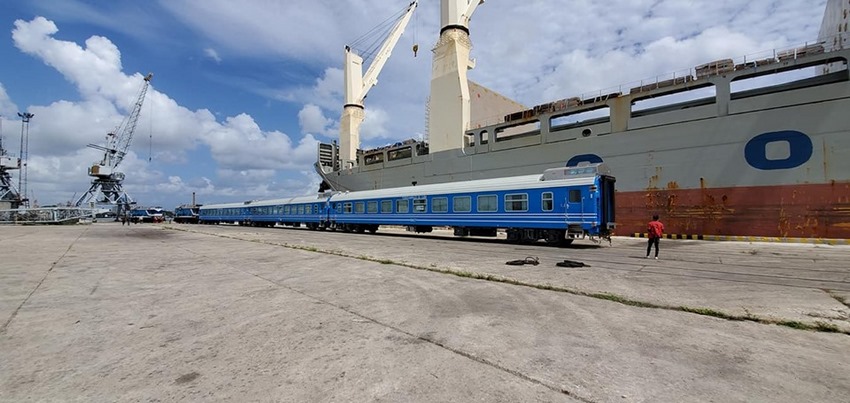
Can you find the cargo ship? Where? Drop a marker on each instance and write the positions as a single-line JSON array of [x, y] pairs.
[[747, 146]]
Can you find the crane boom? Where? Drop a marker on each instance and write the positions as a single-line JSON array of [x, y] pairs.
[[118, 141], [467, 15], [357, 86], [371, 76], [107, 181]]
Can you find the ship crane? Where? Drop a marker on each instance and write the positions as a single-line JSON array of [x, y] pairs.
[[449, 110], [107, 183], [357, 86]]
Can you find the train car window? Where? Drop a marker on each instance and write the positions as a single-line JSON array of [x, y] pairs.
[[315, 209], [420, 205], [402, 206], [386, 206], [516, 202], [547, 201], [285, 209], [372, 207], [440, 205], [348, 208], [300, 209], [359, 207], [488, 203], [462, 204], [338, 208], [575, 195]]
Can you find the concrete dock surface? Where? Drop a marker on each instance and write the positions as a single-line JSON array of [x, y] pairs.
[[153, 312]]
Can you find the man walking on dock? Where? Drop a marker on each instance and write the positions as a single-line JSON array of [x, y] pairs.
[[655, 230]]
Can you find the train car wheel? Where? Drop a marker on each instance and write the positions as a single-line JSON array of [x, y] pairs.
[[555, 237]]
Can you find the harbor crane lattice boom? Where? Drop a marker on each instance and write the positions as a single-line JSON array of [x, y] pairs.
[[107, 183]]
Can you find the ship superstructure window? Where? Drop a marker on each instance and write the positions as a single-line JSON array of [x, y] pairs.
[[359, 207], [517, 130], [461, 204], [575, 195], [440, 205], [397, 154], [420, 205], [488, 203], [578, 119], [516, 202], [547, 201], [402, 206], [372, 207], [386, 206]]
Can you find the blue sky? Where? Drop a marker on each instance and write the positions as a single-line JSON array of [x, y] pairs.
[[243, 91]]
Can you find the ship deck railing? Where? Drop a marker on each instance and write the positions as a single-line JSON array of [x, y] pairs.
[[694, 77]]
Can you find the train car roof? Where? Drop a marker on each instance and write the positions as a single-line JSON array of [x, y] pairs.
[[583, 174], [270, 202], [480, 185]]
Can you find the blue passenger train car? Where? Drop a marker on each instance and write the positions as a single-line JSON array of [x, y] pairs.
[[558, 206]]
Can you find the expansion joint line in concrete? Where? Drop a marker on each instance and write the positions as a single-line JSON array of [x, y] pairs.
[[47, 273], [464, 354]]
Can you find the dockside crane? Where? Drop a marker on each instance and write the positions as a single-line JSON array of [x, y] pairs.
[[357, 86], [9, 196], [107, 183]]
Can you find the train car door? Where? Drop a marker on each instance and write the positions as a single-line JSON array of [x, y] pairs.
[[607, 204]]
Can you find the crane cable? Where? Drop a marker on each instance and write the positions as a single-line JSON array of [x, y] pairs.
[[415, 27]]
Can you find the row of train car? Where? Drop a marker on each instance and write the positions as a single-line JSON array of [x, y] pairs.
[[557, 206]]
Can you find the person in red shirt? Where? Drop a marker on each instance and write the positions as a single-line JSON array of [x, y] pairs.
[[655, 231]]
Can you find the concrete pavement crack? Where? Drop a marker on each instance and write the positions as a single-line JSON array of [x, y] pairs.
[[47, 273]]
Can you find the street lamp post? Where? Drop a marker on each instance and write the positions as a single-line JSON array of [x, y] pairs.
[[22, 162]]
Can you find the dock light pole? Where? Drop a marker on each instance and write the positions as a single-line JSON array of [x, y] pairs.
[[22, 162]]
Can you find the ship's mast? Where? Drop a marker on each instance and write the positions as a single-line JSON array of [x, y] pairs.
[[449, 109]]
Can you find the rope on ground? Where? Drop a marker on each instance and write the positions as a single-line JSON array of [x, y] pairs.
[[532, 260]]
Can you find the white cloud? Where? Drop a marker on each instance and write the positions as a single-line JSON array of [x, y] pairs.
[[8, 109], [212, 54], [60, 131], [312, 120]]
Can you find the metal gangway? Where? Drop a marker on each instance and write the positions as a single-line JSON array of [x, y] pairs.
[[46, 215]]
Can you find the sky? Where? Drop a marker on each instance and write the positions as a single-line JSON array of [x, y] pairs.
[[243, 91]]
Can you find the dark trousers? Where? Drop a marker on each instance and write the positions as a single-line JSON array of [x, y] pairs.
[[650, 242]]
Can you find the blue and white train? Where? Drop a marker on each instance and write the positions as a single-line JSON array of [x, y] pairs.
[[187, 214], [558, 206]]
